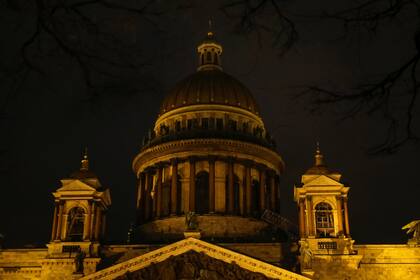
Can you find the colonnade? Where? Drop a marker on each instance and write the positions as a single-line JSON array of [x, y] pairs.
[[150, 188]]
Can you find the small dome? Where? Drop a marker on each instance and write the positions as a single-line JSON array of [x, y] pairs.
[[209, 87]]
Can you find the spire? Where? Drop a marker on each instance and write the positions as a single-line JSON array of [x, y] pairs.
[[209, 52], [319, 158], [85, 161]]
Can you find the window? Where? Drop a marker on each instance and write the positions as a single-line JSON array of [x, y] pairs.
[[178, 126], [208, 57], [233, 125], [245, 127], [190, 124], [212, 123], [202, 193], [205, 123], [324, 219], [75, 224], [219, 124]]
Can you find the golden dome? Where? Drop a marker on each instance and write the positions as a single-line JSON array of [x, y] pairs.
[[209, 87]]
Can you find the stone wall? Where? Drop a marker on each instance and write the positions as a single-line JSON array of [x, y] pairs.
[[378, 262], [22, 264]]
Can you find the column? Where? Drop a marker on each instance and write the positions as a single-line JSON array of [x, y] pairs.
[[262, 189], [302, 218], [54, 225], [212, 186], [59, 222], [174, 187], [98, 221], [92, 220], [64, 227], [87, 229], [248, 190], [310, 217], [346, 217], [192, 185], [339, 216], [140, 192], [230, 191], [273, 194], [148, 199], [159, 192]]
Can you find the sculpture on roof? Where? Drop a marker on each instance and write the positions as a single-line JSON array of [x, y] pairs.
[[413, 228]]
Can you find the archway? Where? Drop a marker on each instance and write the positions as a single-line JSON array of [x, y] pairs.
[[75, 224]]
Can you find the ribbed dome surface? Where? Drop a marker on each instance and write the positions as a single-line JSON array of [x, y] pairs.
[[209, 87]]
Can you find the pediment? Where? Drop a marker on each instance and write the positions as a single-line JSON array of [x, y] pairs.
[[322, 180], [193, 257], [74, 185]]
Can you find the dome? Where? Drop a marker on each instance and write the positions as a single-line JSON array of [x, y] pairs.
[[209, 87]]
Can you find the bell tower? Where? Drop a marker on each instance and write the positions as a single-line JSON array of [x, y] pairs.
[[323, 213], [78, 224]]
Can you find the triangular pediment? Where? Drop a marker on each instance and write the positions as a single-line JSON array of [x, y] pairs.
[[75, 185], [321, 180], [198, 251]]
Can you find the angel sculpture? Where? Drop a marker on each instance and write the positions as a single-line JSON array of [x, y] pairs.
[[414, 228], [191, 222]]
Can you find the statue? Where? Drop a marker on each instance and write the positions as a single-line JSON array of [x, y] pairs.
[[191, 222], [414, 228], [79, 258], [306, 256]]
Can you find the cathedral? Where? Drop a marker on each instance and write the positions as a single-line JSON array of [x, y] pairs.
[[208, 199]]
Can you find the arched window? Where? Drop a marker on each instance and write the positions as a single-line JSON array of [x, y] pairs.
[[208, 57], [255, 198], [202, 193], [324, 219], [75, 224]]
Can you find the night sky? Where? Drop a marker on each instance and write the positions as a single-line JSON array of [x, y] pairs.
[[49, 122]]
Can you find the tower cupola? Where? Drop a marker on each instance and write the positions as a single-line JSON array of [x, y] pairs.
[[209, 53]]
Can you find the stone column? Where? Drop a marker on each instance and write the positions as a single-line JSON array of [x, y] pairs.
[[54, 225], [212, 186], [148, 201], [87, 229], [273, 194], [140, 192], [64, 227], [59, 222], [98, 221], [248, 190], [346, 217], [310, 217], [339, 216], [230, 191], [159, 192], [174, 187], [302, 218], [262, 189], [192, 185], [92, 220]]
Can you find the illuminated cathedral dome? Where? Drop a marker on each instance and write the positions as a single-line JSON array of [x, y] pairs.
[[208, 153], [209, 87]]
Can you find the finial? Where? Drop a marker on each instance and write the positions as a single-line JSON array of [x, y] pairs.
[[319, 158], [85, 161], [210, 33]]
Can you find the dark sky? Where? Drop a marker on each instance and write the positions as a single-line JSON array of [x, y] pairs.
[[50, 122]]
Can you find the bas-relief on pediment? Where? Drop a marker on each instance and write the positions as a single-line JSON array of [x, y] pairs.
[[193, 259]]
